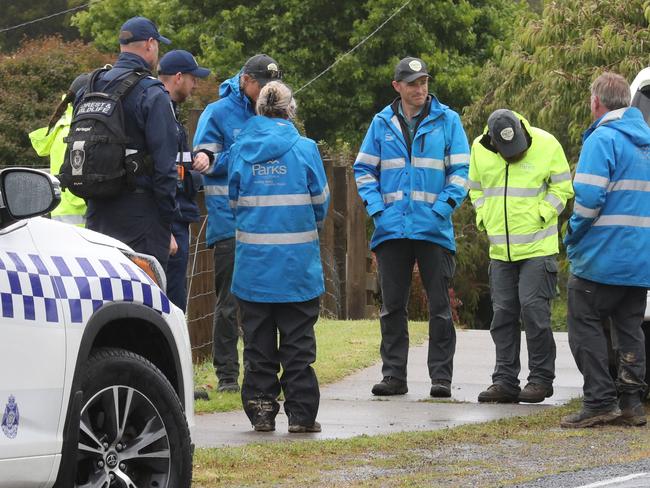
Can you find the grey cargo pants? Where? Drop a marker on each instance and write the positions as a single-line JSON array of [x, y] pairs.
[[522, 291]]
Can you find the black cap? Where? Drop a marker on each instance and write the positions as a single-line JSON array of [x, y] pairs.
[[179, 61], [140, 29], [410, 69], [263, 68], [507, 133]]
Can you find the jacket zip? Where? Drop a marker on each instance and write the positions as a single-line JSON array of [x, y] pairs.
[[505, 212]]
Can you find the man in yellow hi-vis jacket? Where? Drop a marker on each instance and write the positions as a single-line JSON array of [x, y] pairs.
[[519, 184], [48, 141]]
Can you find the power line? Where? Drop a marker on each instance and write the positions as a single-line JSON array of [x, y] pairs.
[[354, 48], [73, 9]]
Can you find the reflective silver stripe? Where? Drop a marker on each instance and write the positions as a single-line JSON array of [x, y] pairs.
[[524, 238], [634, 185], [478, 203], [322, 198], [499, 191], [392, 163], [555, 201], [288, 238], [185, 157], [213, 147], [395, 122], [274, 200], [424, 196], [459, 180], [233, 203], [429, 163], [393, 197], [475, 185], [455, 159], [629, 220], [217, 190], [367, 159], [595, 180], [364, 179], [561, 177], [70, 219], [589, 213]]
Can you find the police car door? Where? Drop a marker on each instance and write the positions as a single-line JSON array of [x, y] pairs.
[[32, 358]]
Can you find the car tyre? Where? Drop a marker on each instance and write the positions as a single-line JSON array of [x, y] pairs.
[[132, 430]]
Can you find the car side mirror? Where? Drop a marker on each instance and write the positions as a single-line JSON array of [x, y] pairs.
[[28, 192]]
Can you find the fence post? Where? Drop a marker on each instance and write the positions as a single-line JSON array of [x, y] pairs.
[[357, 251], [330, 305]]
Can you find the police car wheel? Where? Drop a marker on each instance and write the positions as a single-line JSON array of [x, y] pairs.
[[132, 430]]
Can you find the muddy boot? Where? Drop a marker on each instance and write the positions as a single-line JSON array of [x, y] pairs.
[[591, 418], [632, 411], [262, 414]]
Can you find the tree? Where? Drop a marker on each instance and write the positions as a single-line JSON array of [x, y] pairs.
[[16, 13], [454, 37], [547, 71], [32, 82]]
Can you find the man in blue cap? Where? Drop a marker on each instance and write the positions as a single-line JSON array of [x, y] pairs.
[[142, 218], [218, 127], [179, 72]]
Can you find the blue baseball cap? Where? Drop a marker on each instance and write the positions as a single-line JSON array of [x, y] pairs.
[[179, 61], [140, 29]]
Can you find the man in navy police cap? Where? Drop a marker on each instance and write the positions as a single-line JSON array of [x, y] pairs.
[[142, 218], [179, 72]]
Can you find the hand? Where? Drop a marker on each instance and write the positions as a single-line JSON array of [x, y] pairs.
[[201, 162], [173, 246]]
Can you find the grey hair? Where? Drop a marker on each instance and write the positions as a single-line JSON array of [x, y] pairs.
[[276, 100], [612, 90]]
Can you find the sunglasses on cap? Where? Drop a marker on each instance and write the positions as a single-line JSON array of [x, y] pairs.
[[266, 75]]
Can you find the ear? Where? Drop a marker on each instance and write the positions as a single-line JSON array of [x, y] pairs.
[[396, 86]]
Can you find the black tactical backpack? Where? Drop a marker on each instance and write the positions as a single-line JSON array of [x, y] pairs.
[[98, 162]]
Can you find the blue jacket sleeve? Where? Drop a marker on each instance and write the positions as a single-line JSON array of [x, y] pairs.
[[590, 185], [318, 187], [162, 144], [209, 137], [456, 168], [366, 171]]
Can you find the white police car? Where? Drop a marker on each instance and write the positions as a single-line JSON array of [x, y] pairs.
[[95, 363]]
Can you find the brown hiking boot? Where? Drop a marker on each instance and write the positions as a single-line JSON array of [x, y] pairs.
[[497, 393], [632, 411], [590, 418], [535, 393]]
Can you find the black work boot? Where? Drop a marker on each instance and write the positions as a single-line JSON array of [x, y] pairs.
[[301, 429], [263, 414], [591, 418], [390, 386], [497, 393], [227, 385], [632, 411], [440, 389], [535, 393]]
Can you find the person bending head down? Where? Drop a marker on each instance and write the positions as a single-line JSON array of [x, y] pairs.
[[276, 101]]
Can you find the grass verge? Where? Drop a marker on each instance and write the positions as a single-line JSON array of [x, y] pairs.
[[491, 454], [344, 346]]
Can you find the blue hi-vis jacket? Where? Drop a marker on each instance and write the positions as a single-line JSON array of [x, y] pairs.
[[411, 190], [279, 194], [218, 127], [608, 235]]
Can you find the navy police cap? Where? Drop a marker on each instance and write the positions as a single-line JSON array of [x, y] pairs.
[[179, 61], [140, 29]]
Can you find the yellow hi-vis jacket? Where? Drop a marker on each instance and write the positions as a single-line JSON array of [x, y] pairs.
[[518, 203], [71, 209]]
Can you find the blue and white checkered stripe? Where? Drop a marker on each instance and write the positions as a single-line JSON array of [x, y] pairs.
[[30, 285]]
